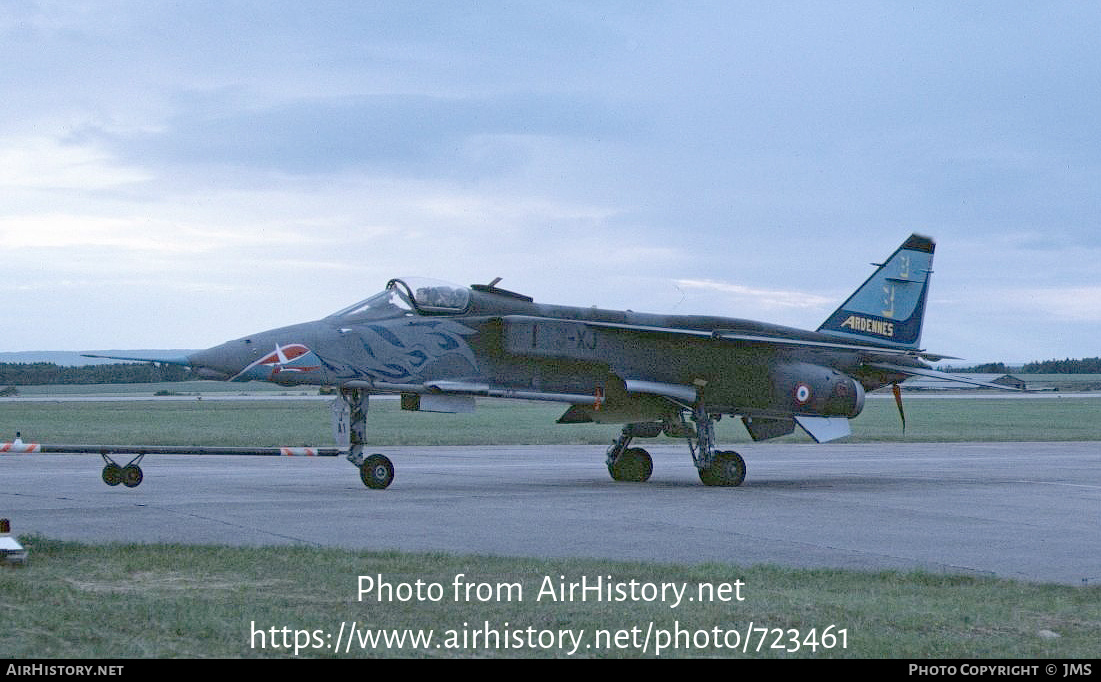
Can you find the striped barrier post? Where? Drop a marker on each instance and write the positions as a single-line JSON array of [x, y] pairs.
[[17, 446]]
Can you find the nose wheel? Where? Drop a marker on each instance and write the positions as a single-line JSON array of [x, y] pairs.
[[377, 472]]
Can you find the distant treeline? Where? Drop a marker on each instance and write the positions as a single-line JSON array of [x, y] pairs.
[[1068, 366], [36, 373]]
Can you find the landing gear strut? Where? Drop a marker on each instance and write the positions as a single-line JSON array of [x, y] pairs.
[[716, 467], [628, 464], [376, 471]]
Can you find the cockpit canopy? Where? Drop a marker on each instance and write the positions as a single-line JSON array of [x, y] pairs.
[[409, 296]]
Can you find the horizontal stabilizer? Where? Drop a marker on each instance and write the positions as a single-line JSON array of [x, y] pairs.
[[944, 376]]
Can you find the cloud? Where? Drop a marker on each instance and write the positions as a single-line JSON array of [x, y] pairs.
[[46, 163], [426, 136], [51, 232], [291, 160], [760, 297], [1066, 304]]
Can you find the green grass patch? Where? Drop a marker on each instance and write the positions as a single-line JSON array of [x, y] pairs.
[[80, 601], [289, 422]]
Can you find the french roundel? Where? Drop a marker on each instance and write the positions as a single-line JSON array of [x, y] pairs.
[[802, 393]]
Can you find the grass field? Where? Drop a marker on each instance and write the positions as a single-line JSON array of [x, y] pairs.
[[118, 601], [121, 601], [304, 421]]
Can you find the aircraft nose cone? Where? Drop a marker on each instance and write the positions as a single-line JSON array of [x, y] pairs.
[[223, 362]]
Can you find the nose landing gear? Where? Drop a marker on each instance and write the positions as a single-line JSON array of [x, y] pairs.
[[377, 472]]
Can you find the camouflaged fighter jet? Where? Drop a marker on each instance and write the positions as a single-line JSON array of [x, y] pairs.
[[440, 346]]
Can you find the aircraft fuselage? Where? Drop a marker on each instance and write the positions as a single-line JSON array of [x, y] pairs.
[[616, 366]]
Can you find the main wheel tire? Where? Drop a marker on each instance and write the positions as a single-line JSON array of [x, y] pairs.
[[633, 465], [377, 472], [727, 469]]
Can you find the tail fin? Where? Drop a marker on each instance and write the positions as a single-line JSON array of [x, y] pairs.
[[889, 307]]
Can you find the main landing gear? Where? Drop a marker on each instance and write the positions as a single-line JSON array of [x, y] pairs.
[[716, 467]]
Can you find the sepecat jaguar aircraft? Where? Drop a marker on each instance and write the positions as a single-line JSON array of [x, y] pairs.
[[440, 346]]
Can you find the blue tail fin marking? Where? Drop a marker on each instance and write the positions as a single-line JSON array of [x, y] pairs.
[[889, 307]]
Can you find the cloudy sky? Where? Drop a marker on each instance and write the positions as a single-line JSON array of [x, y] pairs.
[[176, 174]]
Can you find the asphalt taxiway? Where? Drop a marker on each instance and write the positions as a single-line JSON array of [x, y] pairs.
[[1028, 511]]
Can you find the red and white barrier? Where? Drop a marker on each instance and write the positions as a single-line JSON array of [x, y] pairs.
[[298, 452], [17, 446]]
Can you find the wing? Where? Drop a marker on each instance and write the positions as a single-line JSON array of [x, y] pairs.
[[783, 337]]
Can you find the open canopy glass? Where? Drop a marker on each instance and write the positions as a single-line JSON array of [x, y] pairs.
[[408, 296]]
